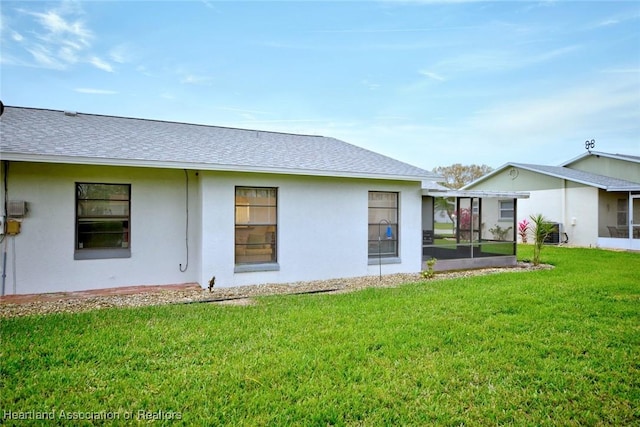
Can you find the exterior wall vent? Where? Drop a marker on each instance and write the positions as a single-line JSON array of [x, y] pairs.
[[16, 208]]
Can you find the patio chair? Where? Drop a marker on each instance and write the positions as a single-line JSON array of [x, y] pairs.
[[613, 231]]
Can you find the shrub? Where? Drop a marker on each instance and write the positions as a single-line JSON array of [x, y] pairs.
[[523, 230], [542, 228], [429, 273]]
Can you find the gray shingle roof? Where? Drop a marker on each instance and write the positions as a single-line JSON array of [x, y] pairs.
[[588, 178], [54, 136], [625, 157]]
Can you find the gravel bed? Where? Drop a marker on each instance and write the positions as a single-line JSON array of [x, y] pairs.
[[241, 295]]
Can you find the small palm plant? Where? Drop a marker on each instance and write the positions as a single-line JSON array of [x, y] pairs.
[[542, 228]]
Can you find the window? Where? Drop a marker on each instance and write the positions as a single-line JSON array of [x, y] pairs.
[[383, 224], [102, 221], [506, 210], [622, 211], [256, 225]]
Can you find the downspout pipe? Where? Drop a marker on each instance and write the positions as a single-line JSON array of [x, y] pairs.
[[3, 240]]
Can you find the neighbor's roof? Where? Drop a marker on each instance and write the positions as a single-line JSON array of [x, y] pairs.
[[625, 157], [434, 189], [39, 135], [587, 178], [485, 194]]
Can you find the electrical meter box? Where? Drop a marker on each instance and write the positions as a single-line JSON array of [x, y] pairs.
[[13, 227]]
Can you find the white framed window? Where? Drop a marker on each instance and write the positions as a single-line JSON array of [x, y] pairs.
[[506, 208], [383, 224], [103, 221]]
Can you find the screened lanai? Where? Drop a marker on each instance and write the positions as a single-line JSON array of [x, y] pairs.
[[469, 229]]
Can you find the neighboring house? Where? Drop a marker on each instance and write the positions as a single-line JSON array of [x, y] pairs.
[[594, 198], [96, 201]]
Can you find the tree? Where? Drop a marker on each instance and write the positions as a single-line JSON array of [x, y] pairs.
[[458, 175], [455, 177]]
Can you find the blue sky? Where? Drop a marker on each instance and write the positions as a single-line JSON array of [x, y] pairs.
[[430, 83]]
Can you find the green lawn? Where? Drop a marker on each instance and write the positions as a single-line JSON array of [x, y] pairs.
[[553, 347]]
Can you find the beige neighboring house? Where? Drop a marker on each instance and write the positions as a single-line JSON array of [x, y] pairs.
[[594, 198]]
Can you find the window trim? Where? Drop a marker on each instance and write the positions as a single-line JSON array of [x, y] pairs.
[[391, 258], [245, 267], [501, 217], [100, 253]]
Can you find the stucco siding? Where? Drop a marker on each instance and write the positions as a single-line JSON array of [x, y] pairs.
[[581, 215], [545, 202], [44, 250], [518, 179], [322, 227]]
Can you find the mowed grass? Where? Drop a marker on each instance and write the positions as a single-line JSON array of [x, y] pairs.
[[554, 347]]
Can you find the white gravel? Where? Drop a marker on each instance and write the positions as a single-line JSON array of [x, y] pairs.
[[241, 295]]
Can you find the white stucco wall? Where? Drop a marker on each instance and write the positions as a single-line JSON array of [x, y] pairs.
[[545, 202], [581, 216], [44, 250], [322, 227], [573, 207]]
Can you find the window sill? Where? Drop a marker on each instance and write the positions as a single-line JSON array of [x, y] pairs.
[[252, 268], [81, 254], [388, 260]]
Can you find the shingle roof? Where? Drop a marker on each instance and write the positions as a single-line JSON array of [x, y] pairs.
[[587, 178], [625, 157], [31, 134]]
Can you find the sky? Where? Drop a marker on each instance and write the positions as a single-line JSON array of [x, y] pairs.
[[430, 83]]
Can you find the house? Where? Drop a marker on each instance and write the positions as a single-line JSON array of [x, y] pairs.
[[594, 198], [94, 201]]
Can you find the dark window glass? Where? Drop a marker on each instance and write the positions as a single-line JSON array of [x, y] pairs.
[[102, 216]]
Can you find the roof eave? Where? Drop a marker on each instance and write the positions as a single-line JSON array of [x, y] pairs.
[[478, 193], [486, 176], [95, 161], [622, 189], [600, 154], [561, 176]]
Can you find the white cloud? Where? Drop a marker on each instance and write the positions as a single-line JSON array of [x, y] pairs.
[[101, 64], [193, 79], [121, 53], [57, 26], [16, 36], [561, 113], [60, 39], [68, 54], [45, 58], [432, 75], [499, 60]]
